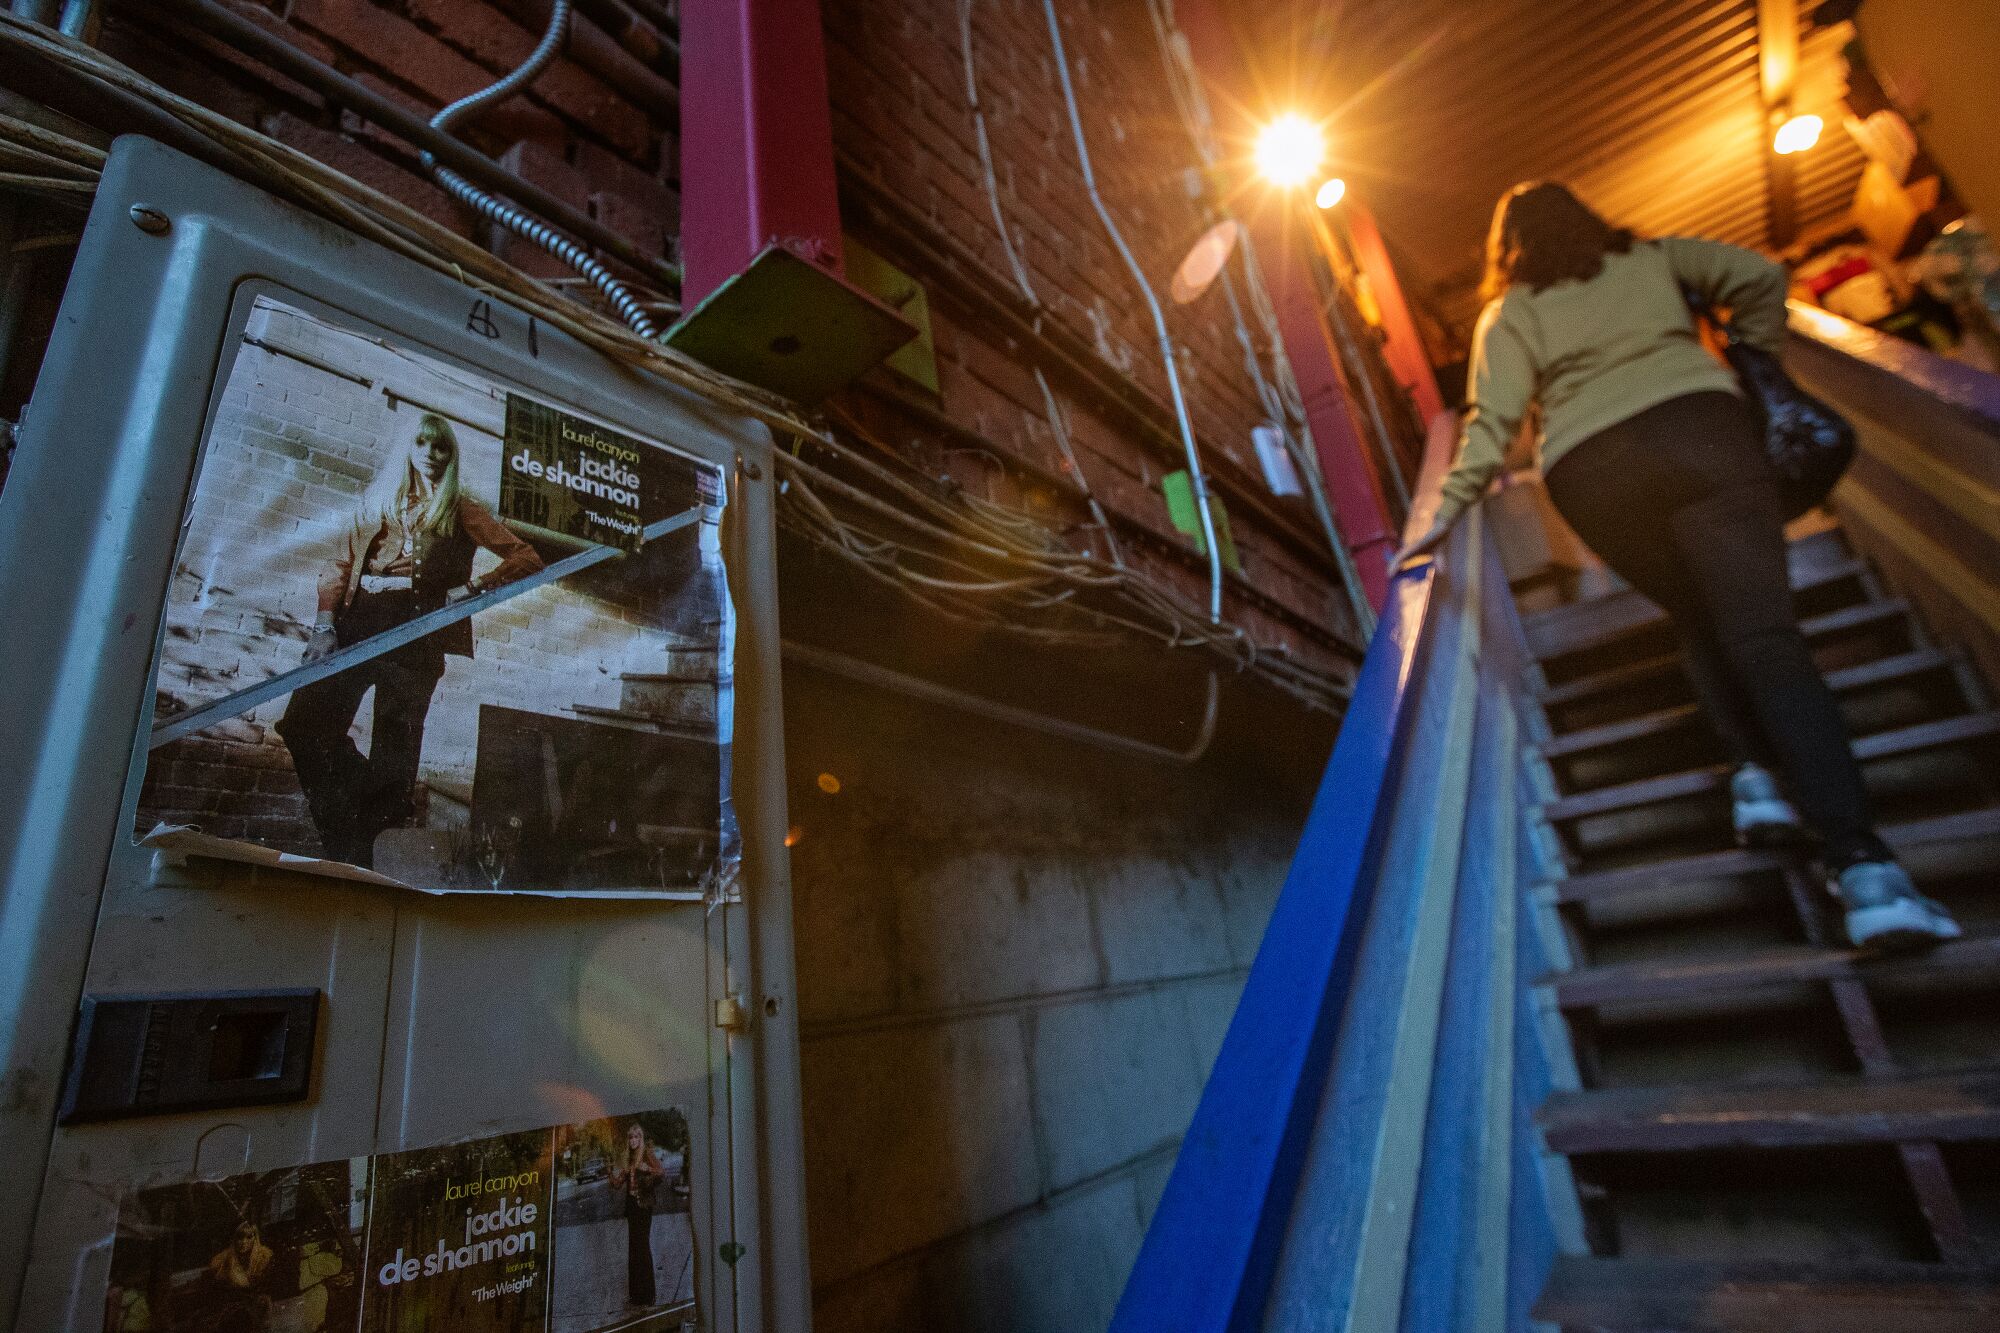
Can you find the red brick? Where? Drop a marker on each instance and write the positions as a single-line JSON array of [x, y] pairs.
[[371, 169], [900, 110], [119, 33], [645, 224], [607, 171], [500, 44], [511, 122], [393, 45]]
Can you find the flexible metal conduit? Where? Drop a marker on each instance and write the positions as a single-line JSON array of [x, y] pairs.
[[1196, 480], [280, 55], [72, 18], [628, 306]]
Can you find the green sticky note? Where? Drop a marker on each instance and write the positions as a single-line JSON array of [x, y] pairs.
[[1181, 509]]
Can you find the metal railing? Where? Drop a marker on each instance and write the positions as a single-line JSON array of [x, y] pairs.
[[1922, 500], [1361, 1157]]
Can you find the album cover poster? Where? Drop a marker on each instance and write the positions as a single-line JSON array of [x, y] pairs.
[[425, 628]]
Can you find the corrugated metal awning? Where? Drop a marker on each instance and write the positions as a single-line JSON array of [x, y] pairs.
[[1651, 112]]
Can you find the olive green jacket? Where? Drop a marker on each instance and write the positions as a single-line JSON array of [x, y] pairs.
[[1591, 354]]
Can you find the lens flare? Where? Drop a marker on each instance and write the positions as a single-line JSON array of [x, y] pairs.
[[1331, 192], [1290, 150]]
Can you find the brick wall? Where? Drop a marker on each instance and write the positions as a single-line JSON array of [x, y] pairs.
[[1017, 958], [902, 118], [595, 131]]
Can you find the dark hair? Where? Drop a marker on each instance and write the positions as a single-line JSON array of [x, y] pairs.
[[1541, 235]]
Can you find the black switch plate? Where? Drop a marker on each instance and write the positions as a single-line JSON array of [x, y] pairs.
[[152, 1054]]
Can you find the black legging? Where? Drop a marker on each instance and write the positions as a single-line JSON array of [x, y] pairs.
[[354, 797], [639, 1289], [1678, 501]]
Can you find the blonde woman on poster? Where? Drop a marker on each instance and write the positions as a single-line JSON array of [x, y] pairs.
[[408, 551], [637, 1179]]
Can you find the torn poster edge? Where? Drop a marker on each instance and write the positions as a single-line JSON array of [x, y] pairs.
[[184, 840]]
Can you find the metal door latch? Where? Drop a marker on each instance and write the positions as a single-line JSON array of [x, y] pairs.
[[731, 1015]]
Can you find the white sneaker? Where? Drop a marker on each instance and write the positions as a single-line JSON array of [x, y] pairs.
[[1762, 816], [1885, 911]]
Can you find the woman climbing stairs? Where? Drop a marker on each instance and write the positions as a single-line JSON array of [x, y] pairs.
[[1768, 1130]]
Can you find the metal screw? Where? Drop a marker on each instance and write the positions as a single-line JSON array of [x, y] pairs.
[[751, 469], [150, 220]]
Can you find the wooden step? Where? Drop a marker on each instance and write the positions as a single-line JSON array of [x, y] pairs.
[[1690, 1296], [1882, 671], [1654, 876], [1671, 786], [1847, 618], [1563, 630], [639, 721], [1941, 1108], [1683, 978], [1646, 726]]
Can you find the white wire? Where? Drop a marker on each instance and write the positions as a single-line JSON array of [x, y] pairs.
[[1057, 426], [1197, 482]]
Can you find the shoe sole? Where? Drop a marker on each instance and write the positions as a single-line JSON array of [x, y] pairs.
[[1899, 925]]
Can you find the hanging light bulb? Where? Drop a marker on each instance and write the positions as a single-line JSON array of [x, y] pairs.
[[1289, 150], [1797, 134], [1331, 192]]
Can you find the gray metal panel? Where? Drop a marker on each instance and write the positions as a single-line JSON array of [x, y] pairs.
[[444, 1018]]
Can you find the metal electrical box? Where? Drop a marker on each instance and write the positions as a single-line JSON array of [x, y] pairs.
[[394, 931]]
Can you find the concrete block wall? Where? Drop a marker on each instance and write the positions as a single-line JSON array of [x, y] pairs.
[[1017, 958]]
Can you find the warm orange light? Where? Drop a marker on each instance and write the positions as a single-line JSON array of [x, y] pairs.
[[793, 834], [1331, 192], [829, 784], [1798, 134], [1290, 150]]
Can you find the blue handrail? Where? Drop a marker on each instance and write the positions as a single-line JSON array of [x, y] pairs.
[[1361, 1157], [1208, 1259]]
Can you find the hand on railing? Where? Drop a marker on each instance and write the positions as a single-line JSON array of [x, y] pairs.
[[1416, 550], [1426, 497]]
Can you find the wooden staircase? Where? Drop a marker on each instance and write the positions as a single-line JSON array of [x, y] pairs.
[[1769, 1130]]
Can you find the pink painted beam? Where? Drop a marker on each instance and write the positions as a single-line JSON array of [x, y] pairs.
[[1405, 349], [756, 140], [1360, 501]]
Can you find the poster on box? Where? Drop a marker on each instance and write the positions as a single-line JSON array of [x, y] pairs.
[[583, 1228], [265, 1251], [428, 629]]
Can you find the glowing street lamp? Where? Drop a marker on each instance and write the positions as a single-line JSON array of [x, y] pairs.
[[1797, 134], [1289, 150]]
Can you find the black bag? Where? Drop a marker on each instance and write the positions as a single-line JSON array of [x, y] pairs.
[[1808, 444]]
